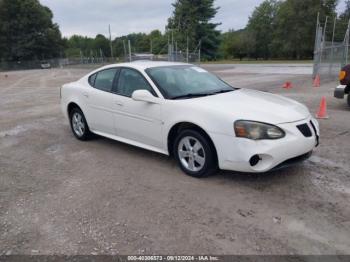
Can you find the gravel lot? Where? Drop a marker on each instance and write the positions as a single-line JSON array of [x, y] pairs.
[[62, 196]]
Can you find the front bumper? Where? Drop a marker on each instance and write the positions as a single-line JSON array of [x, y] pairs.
[[293, 161], [339, 92], [235, 153]]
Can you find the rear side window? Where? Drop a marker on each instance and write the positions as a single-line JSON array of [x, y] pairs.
[[104, 80], [92, 79]]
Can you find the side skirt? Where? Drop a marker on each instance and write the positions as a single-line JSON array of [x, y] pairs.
[[131, 142]]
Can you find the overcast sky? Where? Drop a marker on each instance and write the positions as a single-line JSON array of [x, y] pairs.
[[90, 17]]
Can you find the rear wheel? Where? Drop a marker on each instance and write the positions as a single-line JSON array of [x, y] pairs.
[[194, 154], [79, 125]]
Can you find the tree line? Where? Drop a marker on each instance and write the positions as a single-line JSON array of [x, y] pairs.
[[276, 29], [284, 29], [189, 27], [80, 46]]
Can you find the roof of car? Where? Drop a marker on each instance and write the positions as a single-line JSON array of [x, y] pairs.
[[142, 65]]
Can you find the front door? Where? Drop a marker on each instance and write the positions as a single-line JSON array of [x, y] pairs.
[[135, 120]]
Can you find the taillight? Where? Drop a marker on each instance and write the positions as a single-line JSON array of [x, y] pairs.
[[342, 75]]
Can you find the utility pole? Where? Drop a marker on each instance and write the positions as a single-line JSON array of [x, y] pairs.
[[151, 46], [129, 50], [346, 43], [81, 57], [172, 37], [317, 48], [324, 32], [323, 41], [172, 44], [199, 51], [332, 48], [110, 40], [176, 51], [124, 50], [187, 50], [101, 55], [334, 25], [169, 49]]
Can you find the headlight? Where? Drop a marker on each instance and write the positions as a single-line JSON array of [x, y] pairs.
[[257, 131]]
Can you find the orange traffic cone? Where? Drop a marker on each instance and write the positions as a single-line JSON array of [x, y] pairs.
[[288, 85], [317, 81], [322, 113]]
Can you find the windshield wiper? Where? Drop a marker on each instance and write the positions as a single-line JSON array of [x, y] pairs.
[[191, 96], [223, 91]]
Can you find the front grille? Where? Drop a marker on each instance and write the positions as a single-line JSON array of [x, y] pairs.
[[313, 127], [305, 130], [317, 136]]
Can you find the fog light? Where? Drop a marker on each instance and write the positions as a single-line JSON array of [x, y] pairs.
[[254, 160]]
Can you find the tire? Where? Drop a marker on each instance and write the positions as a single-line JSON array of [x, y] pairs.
[[194, 154], [79, 125], [348, 99]]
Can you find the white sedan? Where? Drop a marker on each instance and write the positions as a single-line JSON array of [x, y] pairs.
[[184, 111]]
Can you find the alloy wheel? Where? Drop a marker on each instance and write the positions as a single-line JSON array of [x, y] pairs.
[[78, 124], [191, 154]]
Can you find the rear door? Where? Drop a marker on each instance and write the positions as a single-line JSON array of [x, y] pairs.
[[99, 99]]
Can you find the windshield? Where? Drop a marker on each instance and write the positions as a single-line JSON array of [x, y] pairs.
[[177, 82]]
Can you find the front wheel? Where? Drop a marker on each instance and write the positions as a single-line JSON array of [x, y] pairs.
[[194, 154], [79, 125]]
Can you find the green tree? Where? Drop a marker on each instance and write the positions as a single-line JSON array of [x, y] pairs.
[[102, 44], [261, 27], [192, 19], [159, 42], [294, 35], [141, 43], [27, 31], [118, 46], [80, 45], [342, 22], [237, 44]]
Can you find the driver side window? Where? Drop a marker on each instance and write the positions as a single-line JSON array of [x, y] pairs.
[[130, 81]]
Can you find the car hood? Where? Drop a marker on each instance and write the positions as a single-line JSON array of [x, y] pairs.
[[254, 105]]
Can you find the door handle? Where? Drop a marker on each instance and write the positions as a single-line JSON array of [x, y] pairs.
[[86, 94], [119, 103]]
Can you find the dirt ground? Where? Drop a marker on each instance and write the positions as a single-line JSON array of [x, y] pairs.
[[62, 196]]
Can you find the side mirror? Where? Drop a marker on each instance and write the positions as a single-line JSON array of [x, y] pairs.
[[144, 96]]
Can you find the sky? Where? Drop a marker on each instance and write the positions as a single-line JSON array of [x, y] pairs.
[[91, 17]]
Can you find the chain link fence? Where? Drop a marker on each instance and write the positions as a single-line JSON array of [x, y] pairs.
[[96, 61], [331, 49], [179, 56], [50, 63]]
